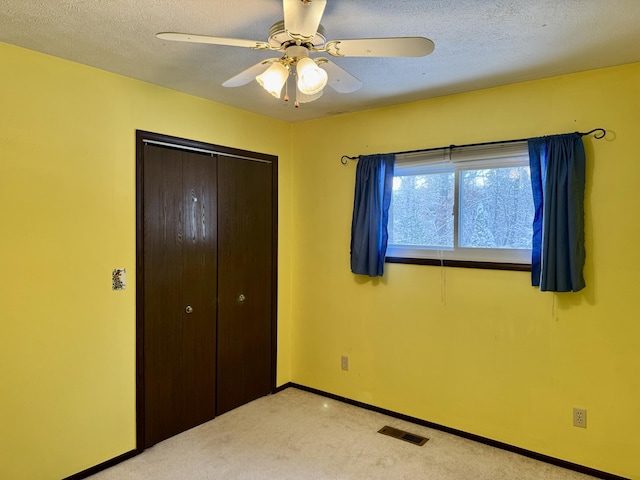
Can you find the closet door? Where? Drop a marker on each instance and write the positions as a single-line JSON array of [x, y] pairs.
[[245, 242], [180, 265]]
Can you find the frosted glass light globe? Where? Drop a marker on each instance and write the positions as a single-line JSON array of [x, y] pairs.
[[311, 78]]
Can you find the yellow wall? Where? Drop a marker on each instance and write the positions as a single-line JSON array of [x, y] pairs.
[[481, 350], [67, 196]]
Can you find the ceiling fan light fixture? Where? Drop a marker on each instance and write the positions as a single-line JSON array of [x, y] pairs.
[[299, 34], [274, 78], [311, 78]]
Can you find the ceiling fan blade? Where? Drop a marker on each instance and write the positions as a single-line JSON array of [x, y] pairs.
[[339, 79], [302, 17], [249, 74], [381, 47], [193, 38]]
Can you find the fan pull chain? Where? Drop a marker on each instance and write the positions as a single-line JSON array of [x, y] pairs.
[[286, 90]]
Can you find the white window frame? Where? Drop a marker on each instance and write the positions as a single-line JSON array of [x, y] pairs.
[[457, 160]]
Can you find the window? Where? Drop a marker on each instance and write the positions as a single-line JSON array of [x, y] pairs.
[[471, 204]]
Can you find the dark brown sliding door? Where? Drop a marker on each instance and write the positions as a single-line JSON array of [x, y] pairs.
[[206, 283]]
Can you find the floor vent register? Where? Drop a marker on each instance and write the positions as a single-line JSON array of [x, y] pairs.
[[402, 435]]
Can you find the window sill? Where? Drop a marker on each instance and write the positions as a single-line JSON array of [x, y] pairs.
[[519, 267]]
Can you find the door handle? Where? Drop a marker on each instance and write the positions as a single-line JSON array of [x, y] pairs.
[[241, 298], [189, 309]]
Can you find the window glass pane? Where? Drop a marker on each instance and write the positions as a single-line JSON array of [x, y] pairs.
[[421, 211], [496, 208]]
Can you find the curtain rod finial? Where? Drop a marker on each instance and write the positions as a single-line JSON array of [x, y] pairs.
[[599, 133]]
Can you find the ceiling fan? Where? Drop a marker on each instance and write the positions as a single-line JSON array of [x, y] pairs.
[[299, 35]]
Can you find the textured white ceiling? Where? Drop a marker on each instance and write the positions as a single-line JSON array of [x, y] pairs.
[[479, 43]]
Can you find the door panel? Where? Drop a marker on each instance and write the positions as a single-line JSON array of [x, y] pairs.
[[179, 270], [199, 277], [162, 295], [245, 238]]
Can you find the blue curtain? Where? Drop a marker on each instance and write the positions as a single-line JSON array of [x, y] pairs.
[[369, 235], [558, 179]]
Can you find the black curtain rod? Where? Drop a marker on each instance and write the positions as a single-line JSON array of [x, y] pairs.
[[598, 134]]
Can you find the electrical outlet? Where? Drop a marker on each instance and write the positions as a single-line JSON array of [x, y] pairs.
[[344, 362], [580, 417]]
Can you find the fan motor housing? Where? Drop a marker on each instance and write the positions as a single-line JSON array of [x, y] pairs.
[[278, 36]]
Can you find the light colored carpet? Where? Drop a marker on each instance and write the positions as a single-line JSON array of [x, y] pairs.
[[296, 435]]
